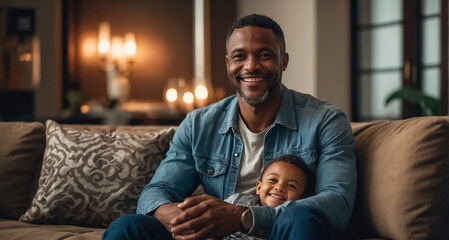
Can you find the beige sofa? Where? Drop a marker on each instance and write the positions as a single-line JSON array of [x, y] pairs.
[[70, 181]]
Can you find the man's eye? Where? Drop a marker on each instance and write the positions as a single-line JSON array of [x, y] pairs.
[[272, 180], [292, 186], [237, 57], [266, 56]]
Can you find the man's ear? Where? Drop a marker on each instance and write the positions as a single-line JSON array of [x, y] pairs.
[[258, 186], [227, 61], [284, 60]]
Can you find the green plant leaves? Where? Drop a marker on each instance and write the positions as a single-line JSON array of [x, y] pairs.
[[430, 106]]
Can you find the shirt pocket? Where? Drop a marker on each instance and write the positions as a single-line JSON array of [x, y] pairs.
[[212, 173]]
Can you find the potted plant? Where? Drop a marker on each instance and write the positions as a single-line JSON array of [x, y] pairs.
[[429, 105]]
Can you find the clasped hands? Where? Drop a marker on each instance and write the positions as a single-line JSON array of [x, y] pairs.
[[200, 217]]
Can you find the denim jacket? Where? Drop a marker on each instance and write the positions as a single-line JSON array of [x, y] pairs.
[[207, 148]]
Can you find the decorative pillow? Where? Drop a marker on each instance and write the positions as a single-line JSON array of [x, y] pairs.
[[22, 146], [403, 178], [91, 175]]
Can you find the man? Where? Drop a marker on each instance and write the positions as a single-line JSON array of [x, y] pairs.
[[225, 145]]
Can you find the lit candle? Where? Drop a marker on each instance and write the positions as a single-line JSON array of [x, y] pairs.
[[103, 38], [201, 95], [117, 52], [130, 45], [188, 99], [171, 95]]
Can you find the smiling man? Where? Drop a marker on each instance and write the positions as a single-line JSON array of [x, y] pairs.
[[224, 146]]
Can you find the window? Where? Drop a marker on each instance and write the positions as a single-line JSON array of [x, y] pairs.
[[395, 44]]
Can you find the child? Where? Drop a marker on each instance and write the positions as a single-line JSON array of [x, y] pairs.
[[286, 178]]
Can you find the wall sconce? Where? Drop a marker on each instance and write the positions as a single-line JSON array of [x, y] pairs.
[[116, 60]]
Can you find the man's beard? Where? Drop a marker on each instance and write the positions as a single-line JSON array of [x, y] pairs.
[[257, 100], [253, 101]]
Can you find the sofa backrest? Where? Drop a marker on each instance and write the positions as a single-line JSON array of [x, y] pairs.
[[403, 174], [21, 149], [403, 178]]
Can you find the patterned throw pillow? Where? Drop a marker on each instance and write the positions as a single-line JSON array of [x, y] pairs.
[[91, 175]]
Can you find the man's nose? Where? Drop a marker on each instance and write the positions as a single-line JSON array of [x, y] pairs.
[[251, 63]]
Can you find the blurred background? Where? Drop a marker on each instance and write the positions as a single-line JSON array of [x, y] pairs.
[[152, 61]]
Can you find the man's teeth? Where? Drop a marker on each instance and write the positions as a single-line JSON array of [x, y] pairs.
[[252, 79]]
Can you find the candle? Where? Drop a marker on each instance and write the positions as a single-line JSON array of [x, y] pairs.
[[103, 38], [188, 99], [201, 95], [118, 53], [130, 45]]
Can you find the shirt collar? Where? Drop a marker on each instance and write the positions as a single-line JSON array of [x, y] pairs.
[[285, 116]]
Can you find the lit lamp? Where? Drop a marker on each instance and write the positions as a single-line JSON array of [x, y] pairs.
[[116, 60]]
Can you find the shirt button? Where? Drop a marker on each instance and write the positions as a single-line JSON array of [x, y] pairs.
[[210, 171], [260, 232], [236, 154]]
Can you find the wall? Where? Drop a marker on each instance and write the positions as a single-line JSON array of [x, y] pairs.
[[222, 16], [49, 30], [317, 38], [164, 38], [333, 53]]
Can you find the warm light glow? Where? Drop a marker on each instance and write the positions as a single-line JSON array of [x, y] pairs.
[[188, 97], [130, 48], [171, 95], [103, 46], [201, 92], [25, 57], [117, 48], [89, 47], [104, 35], [84, 109], [130, 44]]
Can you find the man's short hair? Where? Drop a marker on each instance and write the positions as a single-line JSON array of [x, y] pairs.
[[258, 20], [299, 163]]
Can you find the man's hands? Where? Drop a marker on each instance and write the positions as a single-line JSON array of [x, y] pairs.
[[200, 217], [165, 213]]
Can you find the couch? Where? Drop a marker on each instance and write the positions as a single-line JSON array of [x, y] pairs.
[[62, 181]]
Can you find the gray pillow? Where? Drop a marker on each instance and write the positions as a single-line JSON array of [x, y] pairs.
[[92, 175]]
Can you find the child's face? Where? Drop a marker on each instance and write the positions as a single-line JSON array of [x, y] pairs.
[[281, 182]]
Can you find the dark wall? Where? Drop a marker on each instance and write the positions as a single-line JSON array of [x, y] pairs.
[[164, 38], [222, 16]]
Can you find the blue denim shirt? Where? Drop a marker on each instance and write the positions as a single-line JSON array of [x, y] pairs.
[[207, 149]]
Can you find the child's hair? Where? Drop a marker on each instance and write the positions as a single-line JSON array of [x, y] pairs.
[[299, 163]]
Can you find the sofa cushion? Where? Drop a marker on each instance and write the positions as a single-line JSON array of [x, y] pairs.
[[15, 230], [403, 178], [91, 175], [21, 149]]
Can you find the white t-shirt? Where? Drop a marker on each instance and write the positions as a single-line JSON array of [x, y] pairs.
[[251, 162]]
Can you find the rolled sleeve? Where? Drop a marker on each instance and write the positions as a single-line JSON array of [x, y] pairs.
[[263, 220]]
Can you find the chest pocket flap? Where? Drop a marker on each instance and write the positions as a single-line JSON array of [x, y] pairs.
[[209, 166]]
